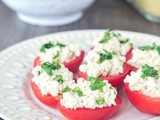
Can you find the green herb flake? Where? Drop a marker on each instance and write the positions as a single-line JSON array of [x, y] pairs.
[[57, 55], [38, 73], [124, 41], [106, 56], [116, 35], [59, 79], [96, 83], [148, 71], [60, 44], [158, 49], [148, 47], [107, 36], [46, 46], [78, 91], [66, 89], [48, 67], [100, 101]]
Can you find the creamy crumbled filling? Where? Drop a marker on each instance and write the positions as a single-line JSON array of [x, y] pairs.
[[115, 43], [94, 67], [90, 98], [148, 85], [150, 57], [48, 84], [64, 53]]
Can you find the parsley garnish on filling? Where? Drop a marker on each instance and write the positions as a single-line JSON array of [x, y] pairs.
[[148, 47], [96, 83], [148, 71], [100, 101], [66, 89], [153, 47], [123, 41], [46, 46], [60, 44], [78, 91], [107, 36], [38, 73], [59, 79], [50, 45], [57, 55], [106, 56], [48, 67]]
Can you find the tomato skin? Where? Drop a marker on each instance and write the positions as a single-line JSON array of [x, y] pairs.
[[129, 54], [89, 114], [115, 81], [72, 65], [142, 102], [37, 62], [48, 100]]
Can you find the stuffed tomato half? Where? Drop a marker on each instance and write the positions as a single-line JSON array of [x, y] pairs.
[[49, 80], [111, 40], [143, 89], [70, 55], [145, 55], [91, 99], [106, 65]]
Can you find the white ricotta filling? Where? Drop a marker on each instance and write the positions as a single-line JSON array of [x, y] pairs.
[[66, 54], [113, 44], [140, 58], [148, 86], [46, 83], [88, 100], [113, 66]]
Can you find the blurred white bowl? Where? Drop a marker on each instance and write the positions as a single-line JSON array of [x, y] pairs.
[[49, 12]]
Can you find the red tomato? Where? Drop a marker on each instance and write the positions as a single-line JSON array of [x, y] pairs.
[[129, 54], [142, 102], [90, 114], [48, 100], [72, 65], [115, 81]]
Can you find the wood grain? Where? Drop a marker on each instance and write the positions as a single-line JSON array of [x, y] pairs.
[[115, 14]]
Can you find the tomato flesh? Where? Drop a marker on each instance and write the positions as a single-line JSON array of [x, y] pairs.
[[48, 100], [115, 80], [142, 102], [72, 65], [90, 114]]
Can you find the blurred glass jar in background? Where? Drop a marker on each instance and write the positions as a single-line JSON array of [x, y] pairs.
[[150, 9], [49, 12]]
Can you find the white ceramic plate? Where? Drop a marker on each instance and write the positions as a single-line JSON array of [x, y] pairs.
[[16, 99]]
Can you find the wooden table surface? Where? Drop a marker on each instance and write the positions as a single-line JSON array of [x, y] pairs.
[[115, 14]]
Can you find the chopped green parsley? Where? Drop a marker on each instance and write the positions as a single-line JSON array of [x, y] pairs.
[[124, 41], [100, 101], [148, 47], [148, 71], [66, 89], [51, 45], [48, 67], [96, 83], [59, 79], [107, 36], [106, 56], [78, 91], [46, 46]]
